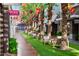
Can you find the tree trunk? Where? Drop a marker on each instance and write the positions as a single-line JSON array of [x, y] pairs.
[[64, 40], [31, 21], [41, 23], [49, 19]]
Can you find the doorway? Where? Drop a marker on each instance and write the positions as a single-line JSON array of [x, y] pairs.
[[54, 28], [75, 29]]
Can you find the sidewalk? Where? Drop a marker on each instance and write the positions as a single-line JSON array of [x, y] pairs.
[[24, 48]]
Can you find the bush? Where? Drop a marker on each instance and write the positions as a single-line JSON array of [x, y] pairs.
[[58, 33], [12, 46]]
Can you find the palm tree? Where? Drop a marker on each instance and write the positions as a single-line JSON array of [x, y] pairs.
[[41, 18], [49, 19], [31, 16], [64, 40]]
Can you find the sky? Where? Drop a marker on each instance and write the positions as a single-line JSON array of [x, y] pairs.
[[57, 8], [16, 6]]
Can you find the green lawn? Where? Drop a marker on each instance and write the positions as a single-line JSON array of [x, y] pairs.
[[47, 50]]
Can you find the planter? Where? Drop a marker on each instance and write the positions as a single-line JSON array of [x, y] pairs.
[[59, 37]]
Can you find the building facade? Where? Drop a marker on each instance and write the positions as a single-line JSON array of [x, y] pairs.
[[4, 29]]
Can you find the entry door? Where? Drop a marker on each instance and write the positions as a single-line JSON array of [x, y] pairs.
[[54, 28]]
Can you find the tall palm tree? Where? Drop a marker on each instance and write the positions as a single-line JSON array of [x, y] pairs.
[[41, 16], [30, 10], [64, 40], [49, 18]]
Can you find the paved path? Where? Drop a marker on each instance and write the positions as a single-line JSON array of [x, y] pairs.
[[24, 48]]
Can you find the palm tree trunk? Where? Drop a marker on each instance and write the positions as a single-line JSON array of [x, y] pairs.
[[31, 21], [64, 40], [41, 22], [49, 19]]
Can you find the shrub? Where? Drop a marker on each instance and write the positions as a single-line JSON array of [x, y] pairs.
[[12, 46], [58, 33]]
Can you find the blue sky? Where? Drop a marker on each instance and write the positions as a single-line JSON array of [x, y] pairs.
[[16, 6], [57, 8]]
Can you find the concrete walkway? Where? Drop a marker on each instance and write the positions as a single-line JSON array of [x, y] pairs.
[[24, 48]]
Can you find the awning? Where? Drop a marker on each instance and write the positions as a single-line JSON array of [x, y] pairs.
[[74, 16], [75, 5]]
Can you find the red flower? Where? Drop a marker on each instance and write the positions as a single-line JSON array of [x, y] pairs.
[[23, 4], [72, 10], [37, 10]]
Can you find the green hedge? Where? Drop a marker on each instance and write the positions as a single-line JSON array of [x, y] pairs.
[[12, 46], [58, 33]]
